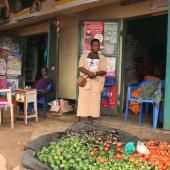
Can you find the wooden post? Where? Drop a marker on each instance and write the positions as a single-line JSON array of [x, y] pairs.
[[166, 124]]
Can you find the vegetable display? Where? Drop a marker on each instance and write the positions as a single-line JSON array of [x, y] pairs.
[[102, 150]]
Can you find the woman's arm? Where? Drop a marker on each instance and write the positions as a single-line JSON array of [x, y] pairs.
[[87, 72], [101, 73]]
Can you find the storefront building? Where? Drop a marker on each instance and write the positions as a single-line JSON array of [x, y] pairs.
[[121, 19], [142, 42], [146, 21]]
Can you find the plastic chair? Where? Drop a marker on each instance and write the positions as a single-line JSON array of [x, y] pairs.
[[109, 82], [42, 99], [143, 101], [5, 103]]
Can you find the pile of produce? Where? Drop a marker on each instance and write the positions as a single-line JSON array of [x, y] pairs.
[[73, 153], [102, 150], [95, 137], [159, 154]]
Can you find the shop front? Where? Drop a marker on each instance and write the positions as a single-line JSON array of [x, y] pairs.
[[142, 43], [30, 51]]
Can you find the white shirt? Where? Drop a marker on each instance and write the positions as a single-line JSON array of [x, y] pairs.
[[93, 64]]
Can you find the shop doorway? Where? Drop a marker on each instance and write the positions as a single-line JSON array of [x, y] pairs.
[[107, 31], [36, 57], [144, 49]]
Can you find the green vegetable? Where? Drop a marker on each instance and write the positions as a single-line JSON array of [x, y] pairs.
[[72, 153]]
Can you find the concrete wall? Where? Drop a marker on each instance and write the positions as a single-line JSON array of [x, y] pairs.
[[118, 11], [68, 58], [33, 29]]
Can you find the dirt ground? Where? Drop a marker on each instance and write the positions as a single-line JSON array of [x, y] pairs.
[[12, 142]]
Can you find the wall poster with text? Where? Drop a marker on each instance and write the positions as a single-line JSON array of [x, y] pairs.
[[12, 83], [3, 82], [108, 33], [2, 66], [14, 65], [92, 29], [110, 38], [111, 66]]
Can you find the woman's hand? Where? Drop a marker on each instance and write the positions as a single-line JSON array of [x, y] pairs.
[[91, 75]]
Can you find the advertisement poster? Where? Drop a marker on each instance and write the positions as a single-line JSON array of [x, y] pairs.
[[3, 82], [111, 66], [2, 67], [12, 83], [110, 38], [111, 71], [92, 29], [112, 99], [14, 65]]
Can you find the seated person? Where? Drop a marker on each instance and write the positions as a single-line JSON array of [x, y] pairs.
[[42, 85]]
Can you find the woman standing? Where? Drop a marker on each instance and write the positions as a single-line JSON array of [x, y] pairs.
[[93, 66]]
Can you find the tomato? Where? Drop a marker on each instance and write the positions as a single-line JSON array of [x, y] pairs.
[[96, 149], [108, 145], [140, 155], [119, 156], [105, 144], [106, 149], [118, 149], [102, 160], [92, 153], [119, 144]]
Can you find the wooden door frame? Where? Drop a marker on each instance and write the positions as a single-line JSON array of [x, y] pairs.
[[117, 58]]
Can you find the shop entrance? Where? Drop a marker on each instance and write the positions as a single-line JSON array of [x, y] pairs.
[[36, 57], [145, 49]]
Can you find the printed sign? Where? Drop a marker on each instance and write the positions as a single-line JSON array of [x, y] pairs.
[[3, 82], [111, 66], [2, 67], [12, 83], [110, 38], [14, 65], [92, 30], [112, 98]]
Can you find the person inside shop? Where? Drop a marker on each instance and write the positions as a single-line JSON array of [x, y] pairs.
[[44, 85], [93, 66]]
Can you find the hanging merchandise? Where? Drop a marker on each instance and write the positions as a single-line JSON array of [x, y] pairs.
[[92, 30]]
